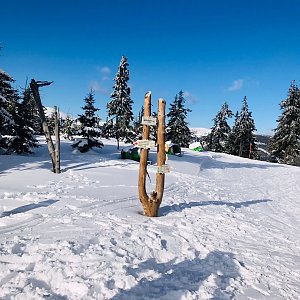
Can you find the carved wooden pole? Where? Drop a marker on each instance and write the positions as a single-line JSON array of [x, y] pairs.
[[34, 86], [57, 140], [151, 204]]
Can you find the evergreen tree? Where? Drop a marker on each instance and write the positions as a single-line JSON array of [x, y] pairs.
[[68, 128], [120, 107], [177, 129], [216, 140], [51, 121], [153, 129], [22, 138], [32, 112], [89, 126], [108, 128], [138, 127], [241, 140], [285, 144], [6, 119], [232, 144]]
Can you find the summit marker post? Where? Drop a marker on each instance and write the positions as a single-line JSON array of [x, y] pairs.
[[151, 203]]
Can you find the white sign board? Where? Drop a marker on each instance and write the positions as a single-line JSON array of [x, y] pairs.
[[145, 144], [150, 121], [163, 169]]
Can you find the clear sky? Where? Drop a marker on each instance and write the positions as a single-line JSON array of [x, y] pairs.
[[213, 50]]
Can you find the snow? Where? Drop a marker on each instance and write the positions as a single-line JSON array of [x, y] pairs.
[[199, 132], [228, 228], [195, 145], [50, 111]]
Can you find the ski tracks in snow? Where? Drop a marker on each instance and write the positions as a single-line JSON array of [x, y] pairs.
[[78, 239], [248, 221]]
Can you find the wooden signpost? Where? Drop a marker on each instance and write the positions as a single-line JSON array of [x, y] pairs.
[[151, 203], [163, 169], [145, 144], [150, 121]]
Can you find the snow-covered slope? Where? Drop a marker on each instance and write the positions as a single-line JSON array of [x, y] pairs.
[[200, 132], [228, 228]]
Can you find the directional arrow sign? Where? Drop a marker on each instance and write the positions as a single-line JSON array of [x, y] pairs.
[[150, 121], [163, 169], [145, 144]]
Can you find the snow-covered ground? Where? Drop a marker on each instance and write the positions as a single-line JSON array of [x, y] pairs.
[[229, 228]]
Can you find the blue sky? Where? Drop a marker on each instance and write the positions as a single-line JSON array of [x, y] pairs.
[[215, 51]]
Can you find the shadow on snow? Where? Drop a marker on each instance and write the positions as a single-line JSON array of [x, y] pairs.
[[40, 159], [163, 211], [184, 278], [215, 161], [27, 207]]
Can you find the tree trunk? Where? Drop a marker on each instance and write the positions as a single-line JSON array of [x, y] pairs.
[[57, 141], [35, 91], [240, 150], [161, 153], [151, 204], [144, 158]]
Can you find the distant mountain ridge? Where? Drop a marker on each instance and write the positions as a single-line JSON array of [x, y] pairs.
[[50, 110], [200, 131]]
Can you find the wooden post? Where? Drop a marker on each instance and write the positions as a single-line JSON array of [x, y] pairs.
[[151, 204], [250, 150], [144, 157], [57, 140], [34, 86], [161, 152], [240, 150]]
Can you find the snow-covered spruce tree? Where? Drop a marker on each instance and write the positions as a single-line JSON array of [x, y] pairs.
[[220, 131], [153, 129], [22, 139], [285, 144], [231, 144], [51, 121], [138, 127], [89, 126], [108, 128], [177, 129], [241, 140], [6, 119], [32, 112], [119, 108], [68, 128]]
